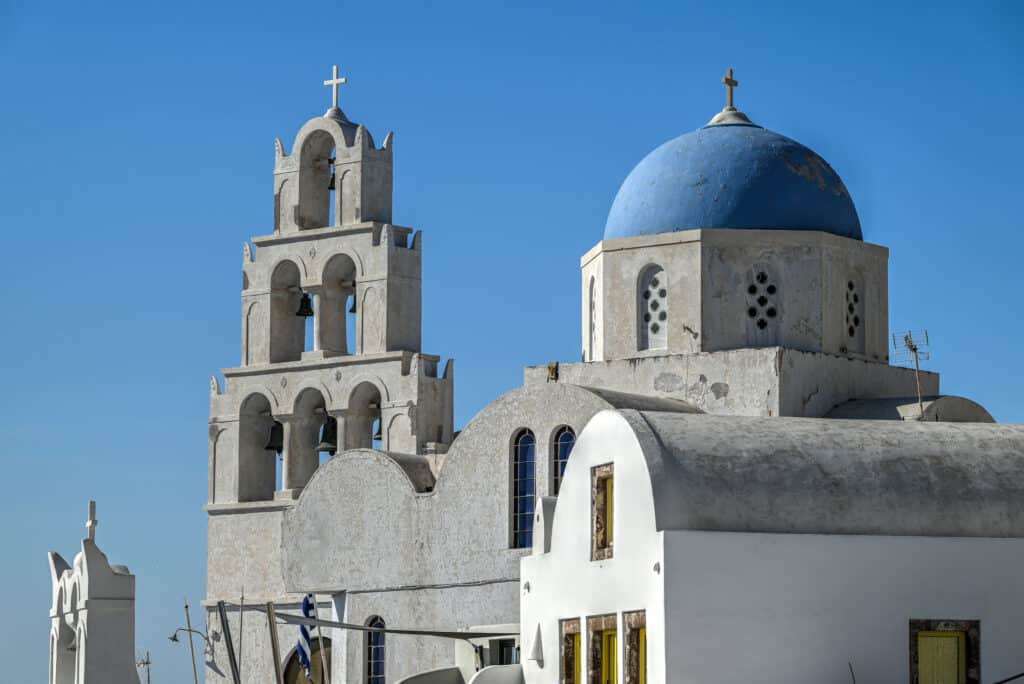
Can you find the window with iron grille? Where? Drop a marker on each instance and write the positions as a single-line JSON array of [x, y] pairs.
[[652, 309], [523, 487], [562, 444], [375, 655]]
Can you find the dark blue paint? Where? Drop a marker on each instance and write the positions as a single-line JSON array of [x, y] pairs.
[[732, 176]]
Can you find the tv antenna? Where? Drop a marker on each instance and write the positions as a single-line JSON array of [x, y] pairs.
[[912, 346], [146, 663]]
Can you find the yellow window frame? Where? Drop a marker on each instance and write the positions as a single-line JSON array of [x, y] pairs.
[[609, 657], [609, 507], [643, 655], [577, 658]]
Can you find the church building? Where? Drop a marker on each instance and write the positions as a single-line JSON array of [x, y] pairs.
[[733, 484]]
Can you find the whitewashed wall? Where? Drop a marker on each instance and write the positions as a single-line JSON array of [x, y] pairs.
[[796, 608], [564, 583]]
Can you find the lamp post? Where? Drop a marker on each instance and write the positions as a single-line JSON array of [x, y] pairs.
[[191, 647]]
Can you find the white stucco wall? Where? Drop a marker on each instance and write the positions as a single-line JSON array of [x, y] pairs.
[[796, 608], [564, 583]]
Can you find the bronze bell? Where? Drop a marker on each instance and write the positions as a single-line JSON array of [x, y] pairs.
[[329, 436], [305, 306], [276, 441], [377, 436], [330, 183]]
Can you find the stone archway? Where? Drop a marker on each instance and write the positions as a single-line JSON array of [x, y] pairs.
[[294, 672]]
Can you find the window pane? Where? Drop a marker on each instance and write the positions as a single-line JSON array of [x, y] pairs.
[[523, 474]]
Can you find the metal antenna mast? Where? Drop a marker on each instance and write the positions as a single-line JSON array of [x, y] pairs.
[[910, 346], [146, 663]]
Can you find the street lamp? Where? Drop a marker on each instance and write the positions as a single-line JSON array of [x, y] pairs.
[[191, 647]]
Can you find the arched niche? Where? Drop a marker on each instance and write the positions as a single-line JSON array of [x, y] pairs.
[[372, 315], [362, 418], [337, 311], [302, 457], [257, 469], [316, 180], [287, 330]]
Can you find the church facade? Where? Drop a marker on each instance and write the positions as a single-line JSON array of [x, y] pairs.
[[732, 297]]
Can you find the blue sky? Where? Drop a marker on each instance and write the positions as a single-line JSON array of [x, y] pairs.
[[138, 158]]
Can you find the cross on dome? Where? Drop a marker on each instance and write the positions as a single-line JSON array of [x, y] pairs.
[[729, 115], [730, 83], [334, 82]]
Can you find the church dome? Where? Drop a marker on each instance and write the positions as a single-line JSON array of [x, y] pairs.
[[732, 174]]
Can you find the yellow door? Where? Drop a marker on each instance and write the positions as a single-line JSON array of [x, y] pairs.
[[941, 658], [609, 657]]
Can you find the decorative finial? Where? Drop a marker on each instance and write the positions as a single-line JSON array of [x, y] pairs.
[[729, 116], [334, 82], [91, 523], [730, 83]]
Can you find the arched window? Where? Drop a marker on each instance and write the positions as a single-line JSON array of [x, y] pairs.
[[592, 323], [652, 309], [561, 447], [523, 486], [375, 653]]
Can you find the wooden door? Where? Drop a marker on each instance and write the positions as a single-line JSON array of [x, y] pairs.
[[941, 658]]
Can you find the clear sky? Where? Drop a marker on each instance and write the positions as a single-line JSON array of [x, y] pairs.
[[137, 142]]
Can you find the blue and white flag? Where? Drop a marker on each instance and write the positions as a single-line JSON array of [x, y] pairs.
[[305, 647]]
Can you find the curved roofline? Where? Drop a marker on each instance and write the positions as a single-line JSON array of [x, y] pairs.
[[825, 476]]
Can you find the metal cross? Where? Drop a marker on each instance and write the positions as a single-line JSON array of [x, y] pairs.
[[334, 82], [730, 83], [91, 523]]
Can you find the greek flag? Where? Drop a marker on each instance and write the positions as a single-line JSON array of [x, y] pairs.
[[305, 647]]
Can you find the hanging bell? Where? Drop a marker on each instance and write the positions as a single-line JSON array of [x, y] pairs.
[[330, 183], [276, 441], [377, 436], [329, 436], [305, 306]]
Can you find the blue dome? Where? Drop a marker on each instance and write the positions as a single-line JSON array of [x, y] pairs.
[[732, 176]]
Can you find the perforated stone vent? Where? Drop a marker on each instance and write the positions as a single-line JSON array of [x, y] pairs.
[[852, 309], [762, 300]]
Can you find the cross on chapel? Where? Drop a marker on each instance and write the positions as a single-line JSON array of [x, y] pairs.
[[334, 82], [91, 523], [730, 83]]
